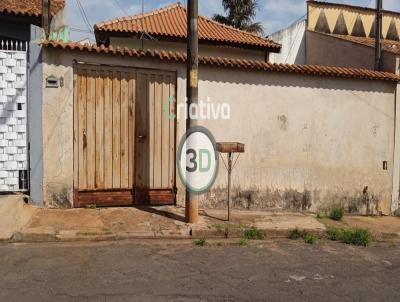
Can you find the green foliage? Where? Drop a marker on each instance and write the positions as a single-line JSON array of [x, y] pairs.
[[296, 234], [357, 236], [336, 213], [240, 14], [307, 237], [91, 206], [334, 233], [310, 238], [200, 242], [361, 237], [253, 234], [243, 242]]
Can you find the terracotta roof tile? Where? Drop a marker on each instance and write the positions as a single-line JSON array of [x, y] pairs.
[[32, 8], [230, 63], [387, 45], [170, 21]]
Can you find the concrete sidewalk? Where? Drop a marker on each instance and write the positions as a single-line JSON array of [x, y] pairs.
[[47, 225]]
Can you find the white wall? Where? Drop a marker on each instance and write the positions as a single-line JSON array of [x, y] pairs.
[[310, 141], [292, 39]]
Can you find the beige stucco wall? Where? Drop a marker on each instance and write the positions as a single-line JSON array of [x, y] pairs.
[[310, 141], [322, 49], [204, 50]]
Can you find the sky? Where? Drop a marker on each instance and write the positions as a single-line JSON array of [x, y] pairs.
[[273, 14]]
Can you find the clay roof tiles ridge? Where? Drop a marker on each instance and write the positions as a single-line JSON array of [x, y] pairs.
[[170, 21]]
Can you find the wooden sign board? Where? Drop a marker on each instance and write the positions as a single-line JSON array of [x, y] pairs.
[[229, 147]]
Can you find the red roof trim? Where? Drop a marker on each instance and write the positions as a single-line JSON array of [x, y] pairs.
[[341, 72]]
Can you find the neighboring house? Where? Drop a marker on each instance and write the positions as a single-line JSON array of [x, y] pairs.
[[340, 35], [315, 136], [20, 98], [166, 29]]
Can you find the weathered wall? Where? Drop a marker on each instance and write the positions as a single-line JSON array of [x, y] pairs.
[[293, 44], [310, 141], [204, 50], [322, 49]]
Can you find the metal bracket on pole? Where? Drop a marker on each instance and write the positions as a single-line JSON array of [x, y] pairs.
[[230, 148]]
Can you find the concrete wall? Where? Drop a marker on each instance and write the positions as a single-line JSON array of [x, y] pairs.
[[310, 141], [204, 50], [292, 39], [326, 50]]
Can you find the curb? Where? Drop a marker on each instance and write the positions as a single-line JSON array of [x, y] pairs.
[[74, 236]]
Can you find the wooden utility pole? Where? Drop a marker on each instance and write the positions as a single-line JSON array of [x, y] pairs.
[[191, 202], [378, 33], [46, 17]]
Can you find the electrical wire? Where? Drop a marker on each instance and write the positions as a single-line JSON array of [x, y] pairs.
[[84, 16]]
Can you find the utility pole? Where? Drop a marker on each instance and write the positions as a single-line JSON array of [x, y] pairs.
[[378, 33], [192, 61], [46, 17]]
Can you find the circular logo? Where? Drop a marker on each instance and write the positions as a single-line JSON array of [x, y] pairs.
[[197, 159]]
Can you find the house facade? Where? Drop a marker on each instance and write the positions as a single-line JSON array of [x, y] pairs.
[[340, 35]]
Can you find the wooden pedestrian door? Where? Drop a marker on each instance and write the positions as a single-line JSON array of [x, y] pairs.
[[124, 138]]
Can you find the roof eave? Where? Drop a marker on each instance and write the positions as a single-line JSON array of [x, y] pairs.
[[274, 47]]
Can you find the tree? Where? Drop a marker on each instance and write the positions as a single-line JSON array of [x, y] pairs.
[[240, 14]]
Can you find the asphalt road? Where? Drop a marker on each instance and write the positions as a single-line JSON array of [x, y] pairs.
[[179, 271]]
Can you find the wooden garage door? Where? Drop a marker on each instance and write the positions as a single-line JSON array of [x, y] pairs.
[[155, 137], [124, 142]]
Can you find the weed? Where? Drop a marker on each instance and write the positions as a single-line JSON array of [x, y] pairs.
[[243, 242], [310, 238], [296, 234], [334, 233], [253, 234], [336, 213], [319, 216], [361, 237], [91, 206], [200, 242]]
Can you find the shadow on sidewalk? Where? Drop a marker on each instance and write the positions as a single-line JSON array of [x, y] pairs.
[[162, 212]]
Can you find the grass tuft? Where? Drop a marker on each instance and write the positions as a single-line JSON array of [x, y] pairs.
[[336, 213], [310, 238], [253, 234], [307, 237], [243, 242], [200, 242], [360, 237], [296, 234]]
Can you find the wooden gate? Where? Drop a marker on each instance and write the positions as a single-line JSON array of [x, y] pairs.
[[155, 138], [121, 154]]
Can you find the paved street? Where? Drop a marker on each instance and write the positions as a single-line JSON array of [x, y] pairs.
[[179, 271]]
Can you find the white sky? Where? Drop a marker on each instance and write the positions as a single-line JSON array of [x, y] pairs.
[[274, 14]]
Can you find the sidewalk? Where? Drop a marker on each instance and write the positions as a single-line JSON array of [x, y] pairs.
[[48, 225]]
